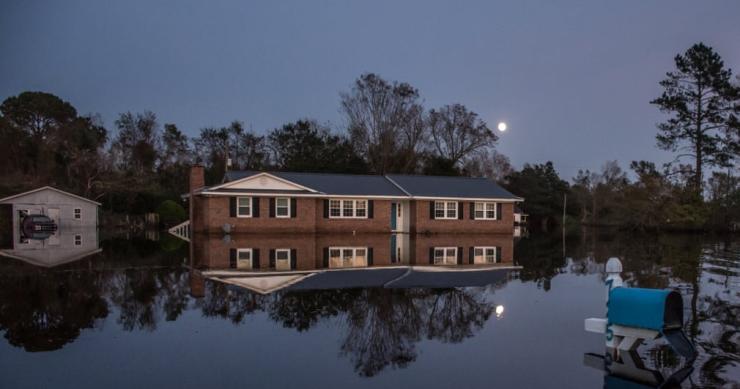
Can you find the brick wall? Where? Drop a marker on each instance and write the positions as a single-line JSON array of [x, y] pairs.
[[420, 245], [422, 223]]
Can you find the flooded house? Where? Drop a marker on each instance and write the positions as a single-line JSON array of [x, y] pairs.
[[273, 202], [49, 227]]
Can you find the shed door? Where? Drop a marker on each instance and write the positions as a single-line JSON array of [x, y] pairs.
[[53, 214]]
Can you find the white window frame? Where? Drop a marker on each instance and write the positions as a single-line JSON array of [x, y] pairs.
[[350, 205], [77, 213], [239, 206], [445, 255], [354, 258], [78, 240], [277, 251], [250, 260], [447, 206], [485, 205], [485, 254], [286, 207]]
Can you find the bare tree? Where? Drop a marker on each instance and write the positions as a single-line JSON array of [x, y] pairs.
[[385, 123], [458, 132]]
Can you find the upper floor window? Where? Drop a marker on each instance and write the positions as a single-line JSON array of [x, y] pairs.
[[445, 255], [350, 209], [244, 207], [282, 207], [78, 240], [445, 209], [485, 211], [78, 213]]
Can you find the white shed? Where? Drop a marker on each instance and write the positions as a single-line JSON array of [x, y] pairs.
[[66, 209]]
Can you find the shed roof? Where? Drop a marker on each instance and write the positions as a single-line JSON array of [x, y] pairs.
[[6, 199]]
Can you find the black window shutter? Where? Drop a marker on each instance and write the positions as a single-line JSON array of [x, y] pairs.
[[471, 253], [370, 209], [369, 256], [293, 207], [272, 258], [431, 209], [431, 255], [293, 258], [498, 254], [459, 255], [472, 210], [232, 206], [255, 258], [498, 211], [326, 208], [460, 210], [255, 207], [326, 257], [272, 207], [232, 258]]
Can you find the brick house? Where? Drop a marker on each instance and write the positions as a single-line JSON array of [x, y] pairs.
[[285, 202]]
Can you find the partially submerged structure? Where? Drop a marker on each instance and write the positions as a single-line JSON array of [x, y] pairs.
[[74, 235], [267, 202]]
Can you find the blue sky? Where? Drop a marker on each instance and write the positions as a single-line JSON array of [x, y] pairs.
[[572, 78]]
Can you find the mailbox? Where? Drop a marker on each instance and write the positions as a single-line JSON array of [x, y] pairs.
[[651, 309]]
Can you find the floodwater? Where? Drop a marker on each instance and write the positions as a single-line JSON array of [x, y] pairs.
[[161, 313]]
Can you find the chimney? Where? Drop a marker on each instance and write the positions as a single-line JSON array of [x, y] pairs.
[[197, 177]]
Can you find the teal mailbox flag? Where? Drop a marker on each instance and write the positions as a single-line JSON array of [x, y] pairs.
[[652, 309]]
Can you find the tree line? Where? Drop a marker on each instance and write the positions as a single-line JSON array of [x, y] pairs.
[[140, 163]]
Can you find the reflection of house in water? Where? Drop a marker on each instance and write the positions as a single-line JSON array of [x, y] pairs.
[[75, 217], [266, 263]]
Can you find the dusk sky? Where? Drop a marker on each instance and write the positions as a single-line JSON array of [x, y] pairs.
[[573, 80]]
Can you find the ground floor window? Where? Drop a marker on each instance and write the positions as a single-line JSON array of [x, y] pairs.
[[282, 259], [445, 255], [244, 258], [347, 257], [483, 255]]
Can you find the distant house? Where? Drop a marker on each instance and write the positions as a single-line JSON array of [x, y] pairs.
[[268, 202], [75, 216]]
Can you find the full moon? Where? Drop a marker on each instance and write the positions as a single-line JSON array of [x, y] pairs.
[[502, 126]]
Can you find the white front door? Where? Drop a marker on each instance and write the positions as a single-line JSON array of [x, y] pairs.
[[53, 214]]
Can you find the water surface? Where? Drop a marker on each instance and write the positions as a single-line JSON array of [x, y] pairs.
[[143, 313]]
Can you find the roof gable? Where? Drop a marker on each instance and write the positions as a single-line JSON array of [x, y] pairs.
[[47, 188], [263, 182]]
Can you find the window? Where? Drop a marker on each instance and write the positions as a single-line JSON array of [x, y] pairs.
[[335, 208], [244, 258], [78, 213], [78, 240], [244, 207], [445, 209], [282, 207], [282, 259], [348, 209], [347, 257], [485, 211], [484, 255], [445, 255]]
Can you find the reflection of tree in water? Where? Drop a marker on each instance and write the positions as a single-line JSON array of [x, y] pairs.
[[541, 258], [44, 309], [382, 326], [43, 312]]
